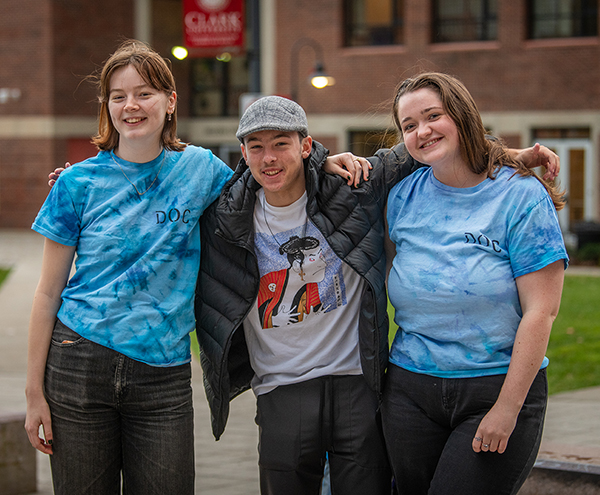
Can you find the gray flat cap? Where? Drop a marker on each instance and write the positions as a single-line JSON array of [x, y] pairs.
[[272, 113]]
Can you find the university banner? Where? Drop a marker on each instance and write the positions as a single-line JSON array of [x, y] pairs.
[[213, 24]]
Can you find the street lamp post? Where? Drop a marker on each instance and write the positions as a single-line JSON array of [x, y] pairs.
[[319, 78]]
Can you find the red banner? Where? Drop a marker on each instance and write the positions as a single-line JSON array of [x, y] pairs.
[[213, 24]]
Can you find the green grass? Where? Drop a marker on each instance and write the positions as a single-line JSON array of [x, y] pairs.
[[195, 346], [574, 347], [3, 274]]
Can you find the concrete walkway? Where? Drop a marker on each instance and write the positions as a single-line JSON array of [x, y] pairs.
[[229, 466]]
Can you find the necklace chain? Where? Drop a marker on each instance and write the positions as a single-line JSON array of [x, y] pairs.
[[151, 184], [264, 209]]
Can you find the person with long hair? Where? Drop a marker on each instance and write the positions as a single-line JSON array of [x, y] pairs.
[[109, 376], [475, 282]]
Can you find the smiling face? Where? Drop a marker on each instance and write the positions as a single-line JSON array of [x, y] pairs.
[[137, 110], [430, 135], [276, 159]]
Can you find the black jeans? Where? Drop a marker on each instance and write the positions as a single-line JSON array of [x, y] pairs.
[[429, 424], [299, 423], [113, 417]]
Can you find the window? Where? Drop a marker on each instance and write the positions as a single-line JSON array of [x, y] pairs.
[[366, 143], [562, 18], [464, 20], [373, 22], [217, 85], [568, 133]]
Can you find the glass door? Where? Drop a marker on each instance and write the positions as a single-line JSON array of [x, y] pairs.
[[575, 178]]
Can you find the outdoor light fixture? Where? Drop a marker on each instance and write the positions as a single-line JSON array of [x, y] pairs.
[[318, 78], [9, 94], [179, 52]]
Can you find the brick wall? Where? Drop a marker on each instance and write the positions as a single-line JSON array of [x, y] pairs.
[[48, 47], [84, 34], [511, 74], [24, 167], [26, 56], [167, 19]]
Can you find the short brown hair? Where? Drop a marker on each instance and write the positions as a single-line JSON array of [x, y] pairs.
[[155, 71]]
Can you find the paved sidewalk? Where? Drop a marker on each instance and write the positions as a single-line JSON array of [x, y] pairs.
[[229, 466]]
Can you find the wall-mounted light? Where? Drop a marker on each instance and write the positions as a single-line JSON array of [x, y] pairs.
[[318, 78], [179, 52], [8, 94]]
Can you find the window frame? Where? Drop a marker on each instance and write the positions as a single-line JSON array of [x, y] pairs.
[[388, 35], [575, 21], [486, 25]]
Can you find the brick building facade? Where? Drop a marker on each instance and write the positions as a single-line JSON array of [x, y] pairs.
[[529, 88]]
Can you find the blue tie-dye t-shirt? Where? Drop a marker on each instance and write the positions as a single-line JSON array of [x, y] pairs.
[[453, 278], [137, 256]]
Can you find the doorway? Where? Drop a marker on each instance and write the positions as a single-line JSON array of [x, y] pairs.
[[576, 178]]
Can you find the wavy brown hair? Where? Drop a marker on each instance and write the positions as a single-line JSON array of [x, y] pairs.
[[482, 155], [155, 71]]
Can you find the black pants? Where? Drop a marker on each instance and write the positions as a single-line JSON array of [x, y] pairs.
[[299, 423], [429, 425], [116, 418]]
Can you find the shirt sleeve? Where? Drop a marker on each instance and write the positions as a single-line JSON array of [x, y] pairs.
[[58, 219], [535, 240], [221, 174]]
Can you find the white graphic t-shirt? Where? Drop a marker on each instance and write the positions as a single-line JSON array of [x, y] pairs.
[[304, 323]]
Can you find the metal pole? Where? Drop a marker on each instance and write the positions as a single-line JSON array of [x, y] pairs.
[[294, 61], [254, 52]]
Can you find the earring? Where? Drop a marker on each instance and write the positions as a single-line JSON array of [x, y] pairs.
[[169, 116]]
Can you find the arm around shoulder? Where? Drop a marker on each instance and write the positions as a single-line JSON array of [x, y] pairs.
[[396, 163]]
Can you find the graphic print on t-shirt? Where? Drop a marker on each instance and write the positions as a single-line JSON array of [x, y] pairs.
[[300, 276]]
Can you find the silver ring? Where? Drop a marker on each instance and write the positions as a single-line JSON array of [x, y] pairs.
[[486, 445], [478, 439]]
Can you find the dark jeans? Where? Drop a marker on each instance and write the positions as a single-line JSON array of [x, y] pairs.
[[429, 424], [111, 416], [299, 423]]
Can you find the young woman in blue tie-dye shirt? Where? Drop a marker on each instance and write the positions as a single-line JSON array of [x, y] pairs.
[[109, 348], [476, 282]]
